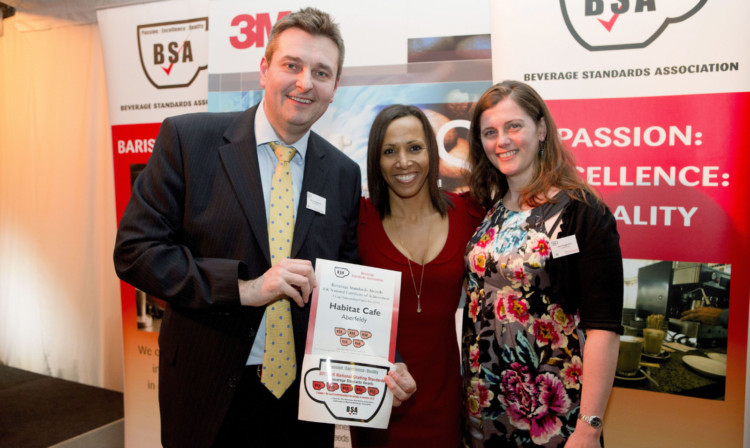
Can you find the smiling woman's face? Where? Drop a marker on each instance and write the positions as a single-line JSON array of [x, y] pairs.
[[510, 138], [404, 158]]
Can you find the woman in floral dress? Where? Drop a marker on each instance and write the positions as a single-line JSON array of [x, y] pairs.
[[544, 284]]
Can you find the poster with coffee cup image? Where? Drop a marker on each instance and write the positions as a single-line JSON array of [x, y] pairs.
[[351, 345], [675, 320]]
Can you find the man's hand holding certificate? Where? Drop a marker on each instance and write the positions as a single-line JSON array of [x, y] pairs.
[[351, 345]]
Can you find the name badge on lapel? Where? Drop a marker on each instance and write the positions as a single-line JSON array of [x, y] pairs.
[[316, 203], [564, 246]]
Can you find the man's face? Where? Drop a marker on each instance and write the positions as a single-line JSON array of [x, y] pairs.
[[299, 82]]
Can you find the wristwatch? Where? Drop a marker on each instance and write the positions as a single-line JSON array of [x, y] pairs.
[[593, 420]]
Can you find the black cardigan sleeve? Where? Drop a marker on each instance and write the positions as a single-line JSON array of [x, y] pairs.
[[590, 281]]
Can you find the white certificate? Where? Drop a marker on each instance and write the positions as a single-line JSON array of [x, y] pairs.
[[351, 345]]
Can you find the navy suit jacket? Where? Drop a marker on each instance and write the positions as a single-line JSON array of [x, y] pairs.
[[196, 223]]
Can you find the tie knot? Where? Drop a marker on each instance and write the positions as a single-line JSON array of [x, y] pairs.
[[284, 153]]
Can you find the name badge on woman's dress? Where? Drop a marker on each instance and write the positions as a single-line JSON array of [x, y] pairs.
[[564, 246]]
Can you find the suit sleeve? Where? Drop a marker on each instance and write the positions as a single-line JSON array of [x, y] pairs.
[[151, 249]]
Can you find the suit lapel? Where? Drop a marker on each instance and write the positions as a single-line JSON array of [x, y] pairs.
[[240, 160], [314, 181]]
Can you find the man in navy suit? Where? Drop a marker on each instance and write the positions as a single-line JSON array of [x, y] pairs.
[[195, 235]]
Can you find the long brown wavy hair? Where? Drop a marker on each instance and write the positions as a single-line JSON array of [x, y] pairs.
[[554, 168]]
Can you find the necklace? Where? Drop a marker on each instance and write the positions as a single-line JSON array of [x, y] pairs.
[[418, 292], [414, 282]]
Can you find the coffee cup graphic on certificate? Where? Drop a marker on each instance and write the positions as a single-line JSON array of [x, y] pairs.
[[351, 392], [351, 345]]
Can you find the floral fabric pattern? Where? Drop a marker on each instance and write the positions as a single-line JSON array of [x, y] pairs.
[[522, 354]]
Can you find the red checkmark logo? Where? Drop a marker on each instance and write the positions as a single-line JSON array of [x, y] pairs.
[[167, 70], [609, 24]]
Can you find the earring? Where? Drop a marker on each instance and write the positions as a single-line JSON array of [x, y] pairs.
[[541, 148]]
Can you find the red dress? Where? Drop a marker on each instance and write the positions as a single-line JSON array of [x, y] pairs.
[[427, 341]]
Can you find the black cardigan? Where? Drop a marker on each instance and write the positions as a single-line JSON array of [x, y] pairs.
[[590, 281]]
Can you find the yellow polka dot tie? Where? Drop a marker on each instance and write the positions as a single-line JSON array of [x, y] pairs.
[[279, 363]]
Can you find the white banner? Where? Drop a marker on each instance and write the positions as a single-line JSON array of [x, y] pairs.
[[583, 49], [156, 60], [435, 57], [649, 95]]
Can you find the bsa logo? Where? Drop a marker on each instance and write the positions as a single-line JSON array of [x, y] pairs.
[[173, 53], [623, 24]]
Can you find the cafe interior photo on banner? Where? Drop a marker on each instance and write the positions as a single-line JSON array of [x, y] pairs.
[[675, 318]]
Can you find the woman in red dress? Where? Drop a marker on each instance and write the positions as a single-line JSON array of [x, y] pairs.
[[409, 225]]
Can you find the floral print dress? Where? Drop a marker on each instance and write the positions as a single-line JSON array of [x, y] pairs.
[[522, 354]]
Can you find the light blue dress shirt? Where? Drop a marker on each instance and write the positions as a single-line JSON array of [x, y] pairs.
[[267, 161]]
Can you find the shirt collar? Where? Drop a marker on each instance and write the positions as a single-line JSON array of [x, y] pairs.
[[264, 132]]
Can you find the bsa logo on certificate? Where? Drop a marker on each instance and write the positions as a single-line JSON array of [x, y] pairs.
[[351, 344]]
